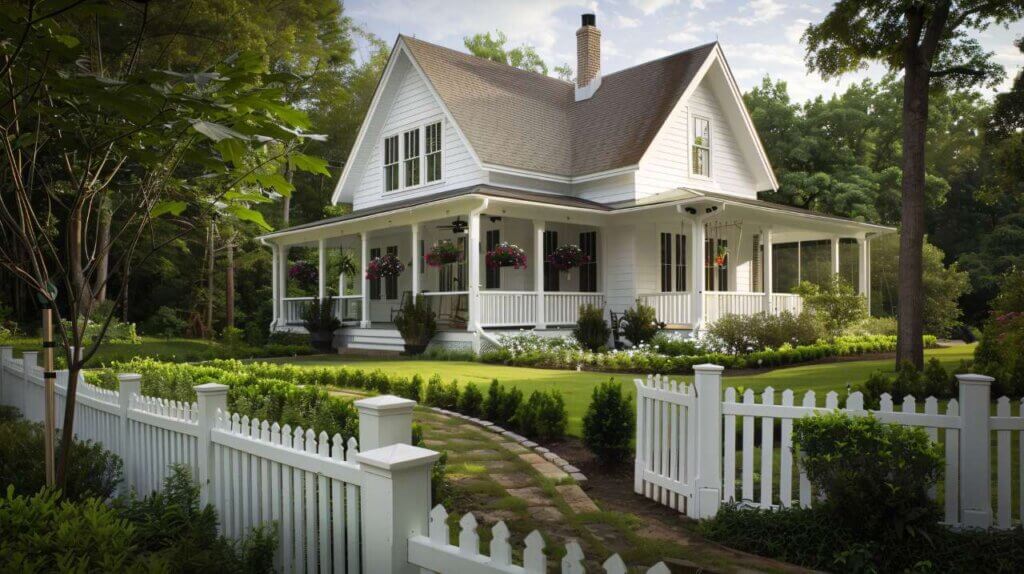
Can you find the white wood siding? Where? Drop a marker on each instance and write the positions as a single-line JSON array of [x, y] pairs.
[[619, 245], [608, 190], [666, 165], [414, 105]]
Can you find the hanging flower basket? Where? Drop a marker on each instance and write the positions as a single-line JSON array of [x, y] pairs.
[[385, 266], [721, 257], [506, 254], [443, 253], [567, 257]]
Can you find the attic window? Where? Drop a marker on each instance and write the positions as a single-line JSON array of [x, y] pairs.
[[391, 180], [412, 157], [701, 147], [433, 145]]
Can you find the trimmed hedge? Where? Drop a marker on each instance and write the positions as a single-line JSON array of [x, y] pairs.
[[648, 362]]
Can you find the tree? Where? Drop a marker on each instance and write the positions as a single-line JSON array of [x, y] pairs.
[[146, 143], [493, 48], [927, 41]]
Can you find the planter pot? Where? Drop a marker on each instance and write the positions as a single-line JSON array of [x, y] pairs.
[[322, 340], [415, 348]]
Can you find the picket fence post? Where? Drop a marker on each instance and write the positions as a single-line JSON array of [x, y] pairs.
[[128, 384], [708, 482], [975, 453], [30, 362], [384, 420], [211, 398], [395, 503], [6, 354]]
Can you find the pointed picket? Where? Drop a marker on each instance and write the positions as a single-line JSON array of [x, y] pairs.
[[614, 565], [438, 527], [572, 562], [534, 559], [469, 540], [501, 551], [659, 568]]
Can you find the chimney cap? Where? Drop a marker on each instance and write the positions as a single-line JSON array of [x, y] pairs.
[[588, 20]]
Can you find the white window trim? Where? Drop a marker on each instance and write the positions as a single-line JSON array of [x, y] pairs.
[[710, 147], [384, 165], [422, 128]]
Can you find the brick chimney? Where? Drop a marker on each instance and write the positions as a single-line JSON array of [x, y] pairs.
[[588, 58]]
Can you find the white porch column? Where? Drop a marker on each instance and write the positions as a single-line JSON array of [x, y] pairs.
[[415, 250], [282, 277], [364, 258], [322, 269], [473, 260], [835, 254], [697, 273], [275, 283], [767, 278], [863, 271], [538, 270]]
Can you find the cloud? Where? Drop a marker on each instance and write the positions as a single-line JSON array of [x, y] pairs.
[[648, 54], [649, 7], [758, 12], [682, 37], [620, 21], [795, 30]]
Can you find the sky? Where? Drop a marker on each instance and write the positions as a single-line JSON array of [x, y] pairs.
[[759, 37]]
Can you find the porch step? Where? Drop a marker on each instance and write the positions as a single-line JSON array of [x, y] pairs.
[[371, 339]]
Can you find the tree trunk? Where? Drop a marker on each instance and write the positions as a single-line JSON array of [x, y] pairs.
[[909, 346], [67, 431], [209, 280], [229, 285], [103, 257], [286, 216]]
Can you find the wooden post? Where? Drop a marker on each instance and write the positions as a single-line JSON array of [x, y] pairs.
[[6, 353], [975, 451], [708, 385], [212, 397], [322, 270], [49, 397], [697, 292], [128, 384], [364, 258], [768, 277], [414, 230], [384, 420], [395, 503], [538, 271]]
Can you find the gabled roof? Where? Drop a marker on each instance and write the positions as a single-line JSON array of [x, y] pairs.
[[528, 121]]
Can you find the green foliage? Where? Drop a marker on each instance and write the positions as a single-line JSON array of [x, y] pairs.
[[543, 416], [609, 423], [93, 471], [835, 304], [874, 326], [591, 329], [875, 476], [938, 382], [1000, 354], [442, 395], [674, 346], [164, 323], [318, 317], [232, 337], [416, 321], [741, 334], [501, 404], [493, 48], [471, 401], [639, 324]]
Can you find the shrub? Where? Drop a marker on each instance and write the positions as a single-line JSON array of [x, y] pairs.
[[501, 405], [639, 324], [938, 382], [93, 471], [165, 323], [836, 304], [592, 330], [739, 334], [675, 346], [318, 317], [1000, 354], [908, 381], [471, 401], [543, 416], [439, 394], [875, 476], [874, 326], [232, 337], [609, 423], [873, 388], [416, 321]]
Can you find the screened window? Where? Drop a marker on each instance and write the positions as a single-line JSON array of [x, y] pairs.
[[849, 260], [411, 140], [816, 261], [432, 134], [785, 267], [551, 275], [588, 271], [391, 180], [375, 283], [391, 283], [716, 277], [493, 278], [680, 262], [666, 262], [701, 147]]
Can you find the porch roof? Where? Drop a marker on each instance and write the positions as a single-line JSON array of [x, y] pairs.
[[680, 197]]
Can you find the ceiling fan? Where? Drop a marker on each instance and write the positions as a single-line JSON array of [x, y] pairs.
[[457, 226]]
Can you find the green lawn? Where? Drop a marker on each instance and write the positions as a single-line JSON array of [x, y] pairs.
[[577, 386]]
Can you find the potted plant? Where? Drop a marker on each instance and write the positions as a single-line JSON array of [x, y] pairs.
[[567, 257], [721, 255], [443, 253], [506, 254], [385, 266], [319, 320], [416, 322]]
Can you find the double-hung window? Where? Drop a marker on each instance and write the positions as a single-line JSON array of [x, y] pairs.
[[670, 266], [432, 135], [391, 180], [701, 147], [411, 140]]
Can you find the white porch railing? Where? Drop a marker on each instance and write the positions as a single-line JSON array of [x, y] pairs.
[[508, 308], [719, 303], [293, 308], [348, 308], [564, 308], [786, 302], [670, 308]]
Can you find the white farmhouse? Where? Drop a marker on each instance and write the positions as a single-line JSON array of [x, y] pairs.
[[653, 171]]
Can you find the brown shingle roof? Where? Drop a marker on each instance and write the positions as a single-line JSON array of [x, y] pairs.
[[529, 121]]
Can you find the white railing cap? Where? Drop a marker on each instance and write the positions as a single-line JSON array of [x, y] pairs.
[[385, 403], [709, 367], [211, 388], [397, 457], [974, 379], [129, 377]]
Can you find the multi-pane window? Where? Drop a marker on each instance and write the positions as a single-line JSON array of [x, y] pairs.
[[701, 147], [493, 278], [375, 283], [666, 262], [588, 271], [680, 262], [411, 157], [673, 265], [391, 180], [716, 277], [432, 135], [551, 274], [391, 283]]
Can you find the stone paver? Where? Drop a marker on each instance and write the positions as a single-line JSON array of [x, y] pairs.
[[514, 448], [545, 513], [512, 479], [532, 495], [577, 500]]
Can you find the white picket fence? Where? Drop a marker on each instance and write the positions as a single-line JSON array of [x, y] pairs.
[[687, 455], [336, 508]]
